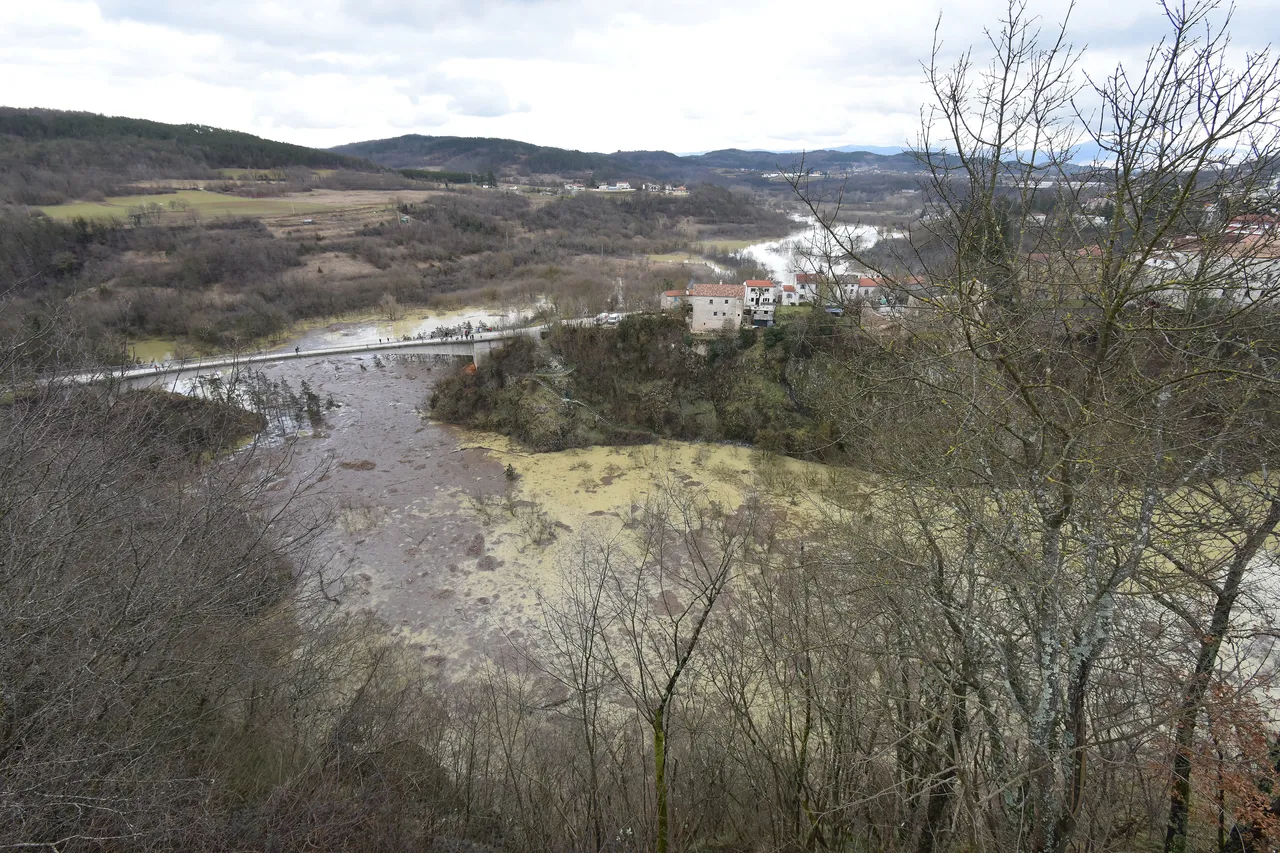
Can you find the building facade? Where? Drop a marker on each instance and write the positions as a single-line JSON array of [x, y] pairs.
[[760, 302], [715, 307]]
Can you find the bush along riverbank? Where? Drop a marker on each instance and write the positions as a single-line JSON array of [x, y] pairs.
[[649, 379]]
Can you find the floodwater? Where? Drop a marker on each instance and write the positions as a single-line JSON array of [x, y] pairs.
[[309, 335], [413, 323], [431, 534], [784, 258]]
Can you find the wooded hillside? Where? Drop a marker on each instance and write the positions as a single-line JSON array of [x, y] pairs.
[[52, 156]]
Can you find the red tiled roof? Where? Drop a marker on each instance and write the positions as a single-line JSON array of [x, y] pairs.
[[809, 278], [673, 293], [755, 282], [734, 290], [787, 288], [868, 282]]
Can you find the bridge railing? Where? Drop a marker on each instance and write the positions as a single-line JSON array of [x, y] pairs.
[[260, 356]]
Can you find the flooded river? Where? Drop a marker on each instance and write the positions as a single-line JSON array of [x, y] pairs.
[[798, 252], [429, 532], [355, 332]]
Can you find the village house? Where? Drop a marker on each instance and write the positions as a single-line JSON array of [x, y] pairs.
[[863, 288], [760, 303], [672, 299], [1244, 270], [808, 284], [715, 307], [1251, 225], [789, 294]]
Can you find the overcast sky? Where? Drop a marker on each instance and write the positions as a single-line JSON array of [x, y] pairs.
[[598, 75]]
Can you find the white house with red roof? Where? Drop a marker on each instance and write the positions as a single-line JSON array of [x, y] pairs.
[[865, 288], [808, 285], [760, 301]]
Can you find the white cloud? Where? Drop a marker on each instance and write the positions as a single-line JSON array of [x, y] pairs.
[[588, 74]]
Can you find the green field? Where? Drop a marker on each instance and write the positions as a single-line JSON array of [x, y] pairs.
[[726, 245], [152, 349], [195, 201]]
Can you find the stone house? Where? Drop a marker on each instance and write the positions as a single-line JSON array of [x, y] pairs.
[[715, 307]]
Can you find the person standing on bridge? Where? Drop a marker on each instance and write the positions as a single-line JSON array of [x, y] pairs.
[[297, 350]]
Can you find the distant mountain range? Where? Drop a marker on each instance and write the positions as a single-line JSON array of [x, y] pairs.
[[483, 154], [47, 156]]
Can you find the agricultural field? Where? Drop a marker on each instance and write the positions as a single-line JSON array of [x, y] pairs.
[[675, 258], [183, 204], [725, 246], [180, 204]]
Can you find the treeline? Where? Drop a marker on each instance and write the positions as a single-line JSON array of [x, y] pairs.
[[442, 177], [645, 380]]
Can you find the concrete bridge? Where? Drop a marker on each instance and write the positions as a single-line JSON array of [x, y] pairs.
[[477, 348]]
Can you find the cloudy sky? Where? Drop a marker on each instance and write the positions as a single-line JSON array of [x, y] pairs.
[[600, 75]]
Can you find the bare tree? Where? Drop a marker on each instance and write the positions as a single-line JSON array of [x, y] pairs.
[[1071, 378], [646, 606]]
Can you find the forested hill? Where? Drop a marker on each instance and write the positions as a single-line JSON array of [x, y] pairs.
[[213, 146], [482, 154], [466, 154], [49, 156]]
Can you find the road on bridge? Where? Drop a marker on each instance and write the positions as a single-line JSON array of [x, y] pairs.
[[446, 346]]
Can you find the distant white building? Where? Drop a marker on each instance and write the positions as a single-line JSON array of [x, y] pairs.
[[1247, 271], [760, 301]]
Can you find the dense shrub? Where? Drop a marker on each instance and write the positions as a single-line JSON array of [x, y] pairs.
[[642, 381]]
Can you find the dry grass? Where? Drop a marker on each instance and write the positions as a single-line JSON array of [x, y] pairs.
[[285, 209], [331, 265]]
